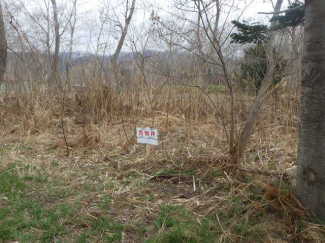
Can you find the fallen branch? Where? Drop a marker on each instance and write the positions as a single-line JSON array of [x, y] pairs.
[[285, 176]]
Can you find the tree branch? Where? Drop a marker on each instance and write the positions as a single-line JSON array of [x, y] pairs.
[[284, 11]]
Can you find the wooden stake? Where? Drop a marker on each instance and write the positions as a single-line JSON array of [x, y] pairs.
[[148, 150]]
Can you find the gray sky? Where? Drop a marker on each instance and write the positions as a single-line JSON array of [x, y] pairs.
[[143, 10], [255, 7]]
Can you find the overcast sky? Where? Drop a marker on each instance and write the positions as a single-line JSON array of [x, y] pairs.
[[256, 6], [142, 12]]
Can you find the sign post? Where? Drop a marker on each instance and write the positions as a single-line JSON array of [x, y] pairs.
[[148, 150], [148, 136]]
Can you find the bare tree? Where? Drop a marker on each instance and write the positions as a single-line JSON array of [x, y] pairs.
[[72, 23], [127, 20], [55, 58], [40, 29], [243, 139], [216, 47]]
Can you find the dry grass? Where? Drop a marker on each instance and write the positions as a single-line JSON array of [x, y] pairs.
[[188, 169]]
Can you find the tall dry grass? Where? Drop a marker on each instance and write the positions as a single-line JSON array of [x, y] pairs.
[[34, 108]]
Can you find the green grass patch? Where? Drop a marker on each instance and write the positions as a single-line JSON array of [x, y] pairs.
[[175, 225], [34, 209], [103, 228]]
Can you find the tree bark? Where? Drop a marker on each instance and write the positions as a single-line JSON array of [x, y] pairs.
[[311, 146], [3, 47]]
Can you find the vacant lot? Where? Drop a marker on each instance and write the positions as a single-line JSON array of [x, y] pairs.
[[105, 190]]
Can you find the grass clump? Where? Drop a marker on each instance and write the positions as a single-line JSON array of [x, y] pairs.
[[102, 229]]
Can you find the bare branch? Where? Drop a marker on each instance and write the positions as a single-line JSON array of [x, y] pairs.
[[284, 11]]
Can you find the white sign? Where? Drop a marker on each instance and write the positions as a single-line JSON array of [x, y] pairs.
[[147, 135]]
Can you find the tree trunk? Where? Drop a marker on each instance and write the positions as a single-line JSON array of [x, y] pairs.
[[215, 29], [55, 61], [3, 47], [124, 33], [311, 147], [73, 21], [238, 150]]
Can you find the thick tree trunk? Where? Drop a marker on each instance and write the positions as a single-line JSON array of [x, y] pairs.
[[311, 147], [3, 47]]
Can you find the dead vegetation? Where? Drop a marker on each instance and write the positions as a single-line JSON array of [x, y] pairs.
[[187, 191]]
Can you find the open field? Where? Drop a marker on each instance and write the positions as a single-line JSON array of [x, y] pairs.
[[105, 190], [228, 86]]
